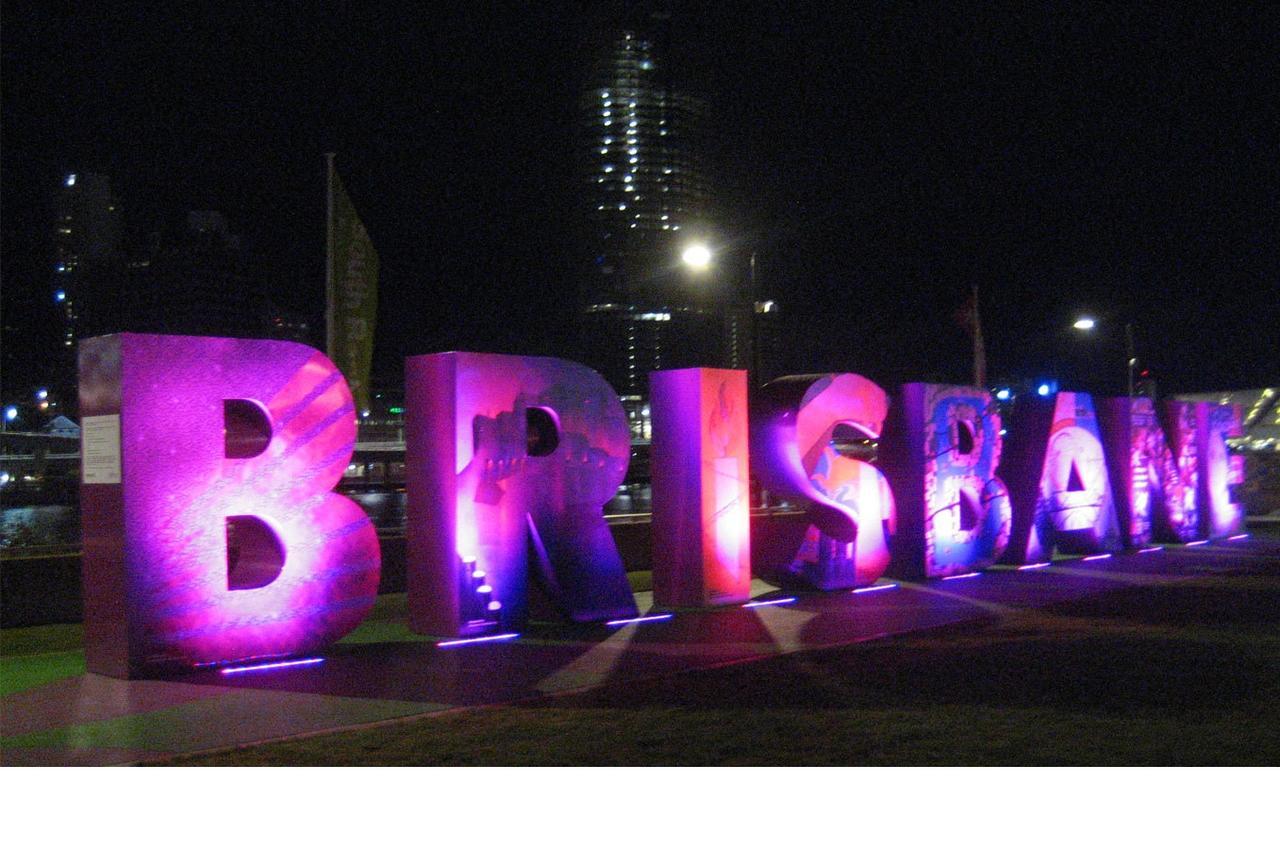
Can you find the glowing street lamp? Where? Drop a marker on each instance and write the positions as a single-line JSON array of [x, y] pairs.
[[1084, 322], [697, 256]]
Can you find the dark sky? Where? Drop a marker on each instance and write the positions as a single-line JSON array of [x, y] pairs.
[[879, 158]]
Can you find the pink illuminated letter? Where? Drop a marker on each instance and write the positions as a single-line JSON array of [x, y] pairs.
[[510, 461], [1152, 496], [1221, 472], [1182, 489], [210, 532], [701, 509], [849, 501], [1058, 480]]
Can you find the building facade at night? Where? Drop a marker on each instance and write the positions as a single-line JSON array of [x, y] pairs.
[[646, 196], [86, 243]]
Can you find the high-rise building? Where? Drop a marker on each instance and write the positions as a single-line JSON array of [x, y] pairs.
[[646, 196], [198, 281], [86, 244]]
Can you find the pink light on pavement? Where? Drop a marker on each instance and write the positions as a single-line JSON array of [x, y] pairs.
[[236, 670], [1151, 549], [1237, 536], [493, 638], [1198, 542], [965, 575], [1095, 557], [1033, 566]]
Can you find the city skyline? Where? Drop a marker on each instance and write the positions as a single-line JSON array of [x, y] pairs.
[[1118, 162]]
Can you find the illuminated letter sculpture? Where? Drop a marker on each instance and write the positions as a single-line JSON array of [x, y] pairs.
[[941, 455], [701, 492], [1220, 470], [210, 533], [1151, 497], [1183, 491], [1058, 482], [509, 463], [849, 501]]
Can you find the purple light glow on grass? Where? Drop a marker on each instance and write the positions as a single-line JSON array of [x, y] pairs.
[[493, 638], [1095, 557], [875, 589], [1033, 566], [965, 575], [638, 619], [236, 670], [769, 602]]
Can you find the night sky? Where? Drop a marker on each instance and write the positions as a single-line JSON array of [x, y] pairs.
[[878, 158]]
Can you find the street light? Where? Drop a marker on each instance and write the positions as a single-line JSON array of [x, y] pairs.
[[1087, 323], [697, 256]]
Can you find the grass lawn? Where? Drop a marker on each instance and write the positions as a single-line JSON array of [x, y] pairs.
[[1183, 673]]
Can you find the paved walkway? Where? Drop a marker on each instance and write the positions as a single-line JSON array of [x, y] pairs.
[[53, 713]]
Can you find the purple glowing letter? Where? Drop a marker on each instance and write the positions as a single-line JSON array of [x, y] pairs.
[[510, 461], [1058, 482], [701, 510], [1183, 490], [941, 456], [1152, 498], [849, 501], [1221, 472], [210, 532]]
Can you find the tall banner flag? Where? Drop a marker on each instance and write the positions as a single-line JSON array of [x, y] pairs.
[[969, 318], [351, 291]]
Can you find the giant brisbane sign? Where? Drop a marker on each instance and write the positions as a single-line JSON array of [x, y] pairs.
[[212, 536]]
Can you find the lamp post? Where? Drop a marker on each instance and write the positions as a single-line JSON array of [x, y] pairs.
[[1087, 323], [698, 257]]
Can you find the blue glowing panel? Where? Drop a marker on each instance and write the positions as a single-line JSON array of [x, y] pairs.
[[941, 456]]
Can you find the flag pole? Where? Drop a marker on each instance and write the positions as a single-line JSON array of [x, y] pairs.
[[979, 346], [329, 341]]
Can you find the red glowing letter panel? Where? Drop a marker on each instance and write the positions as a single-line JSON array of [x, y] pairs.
[[941, 457], [1058, 481], [510, 461], [701, 508], [794, 425], [210, 532]]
